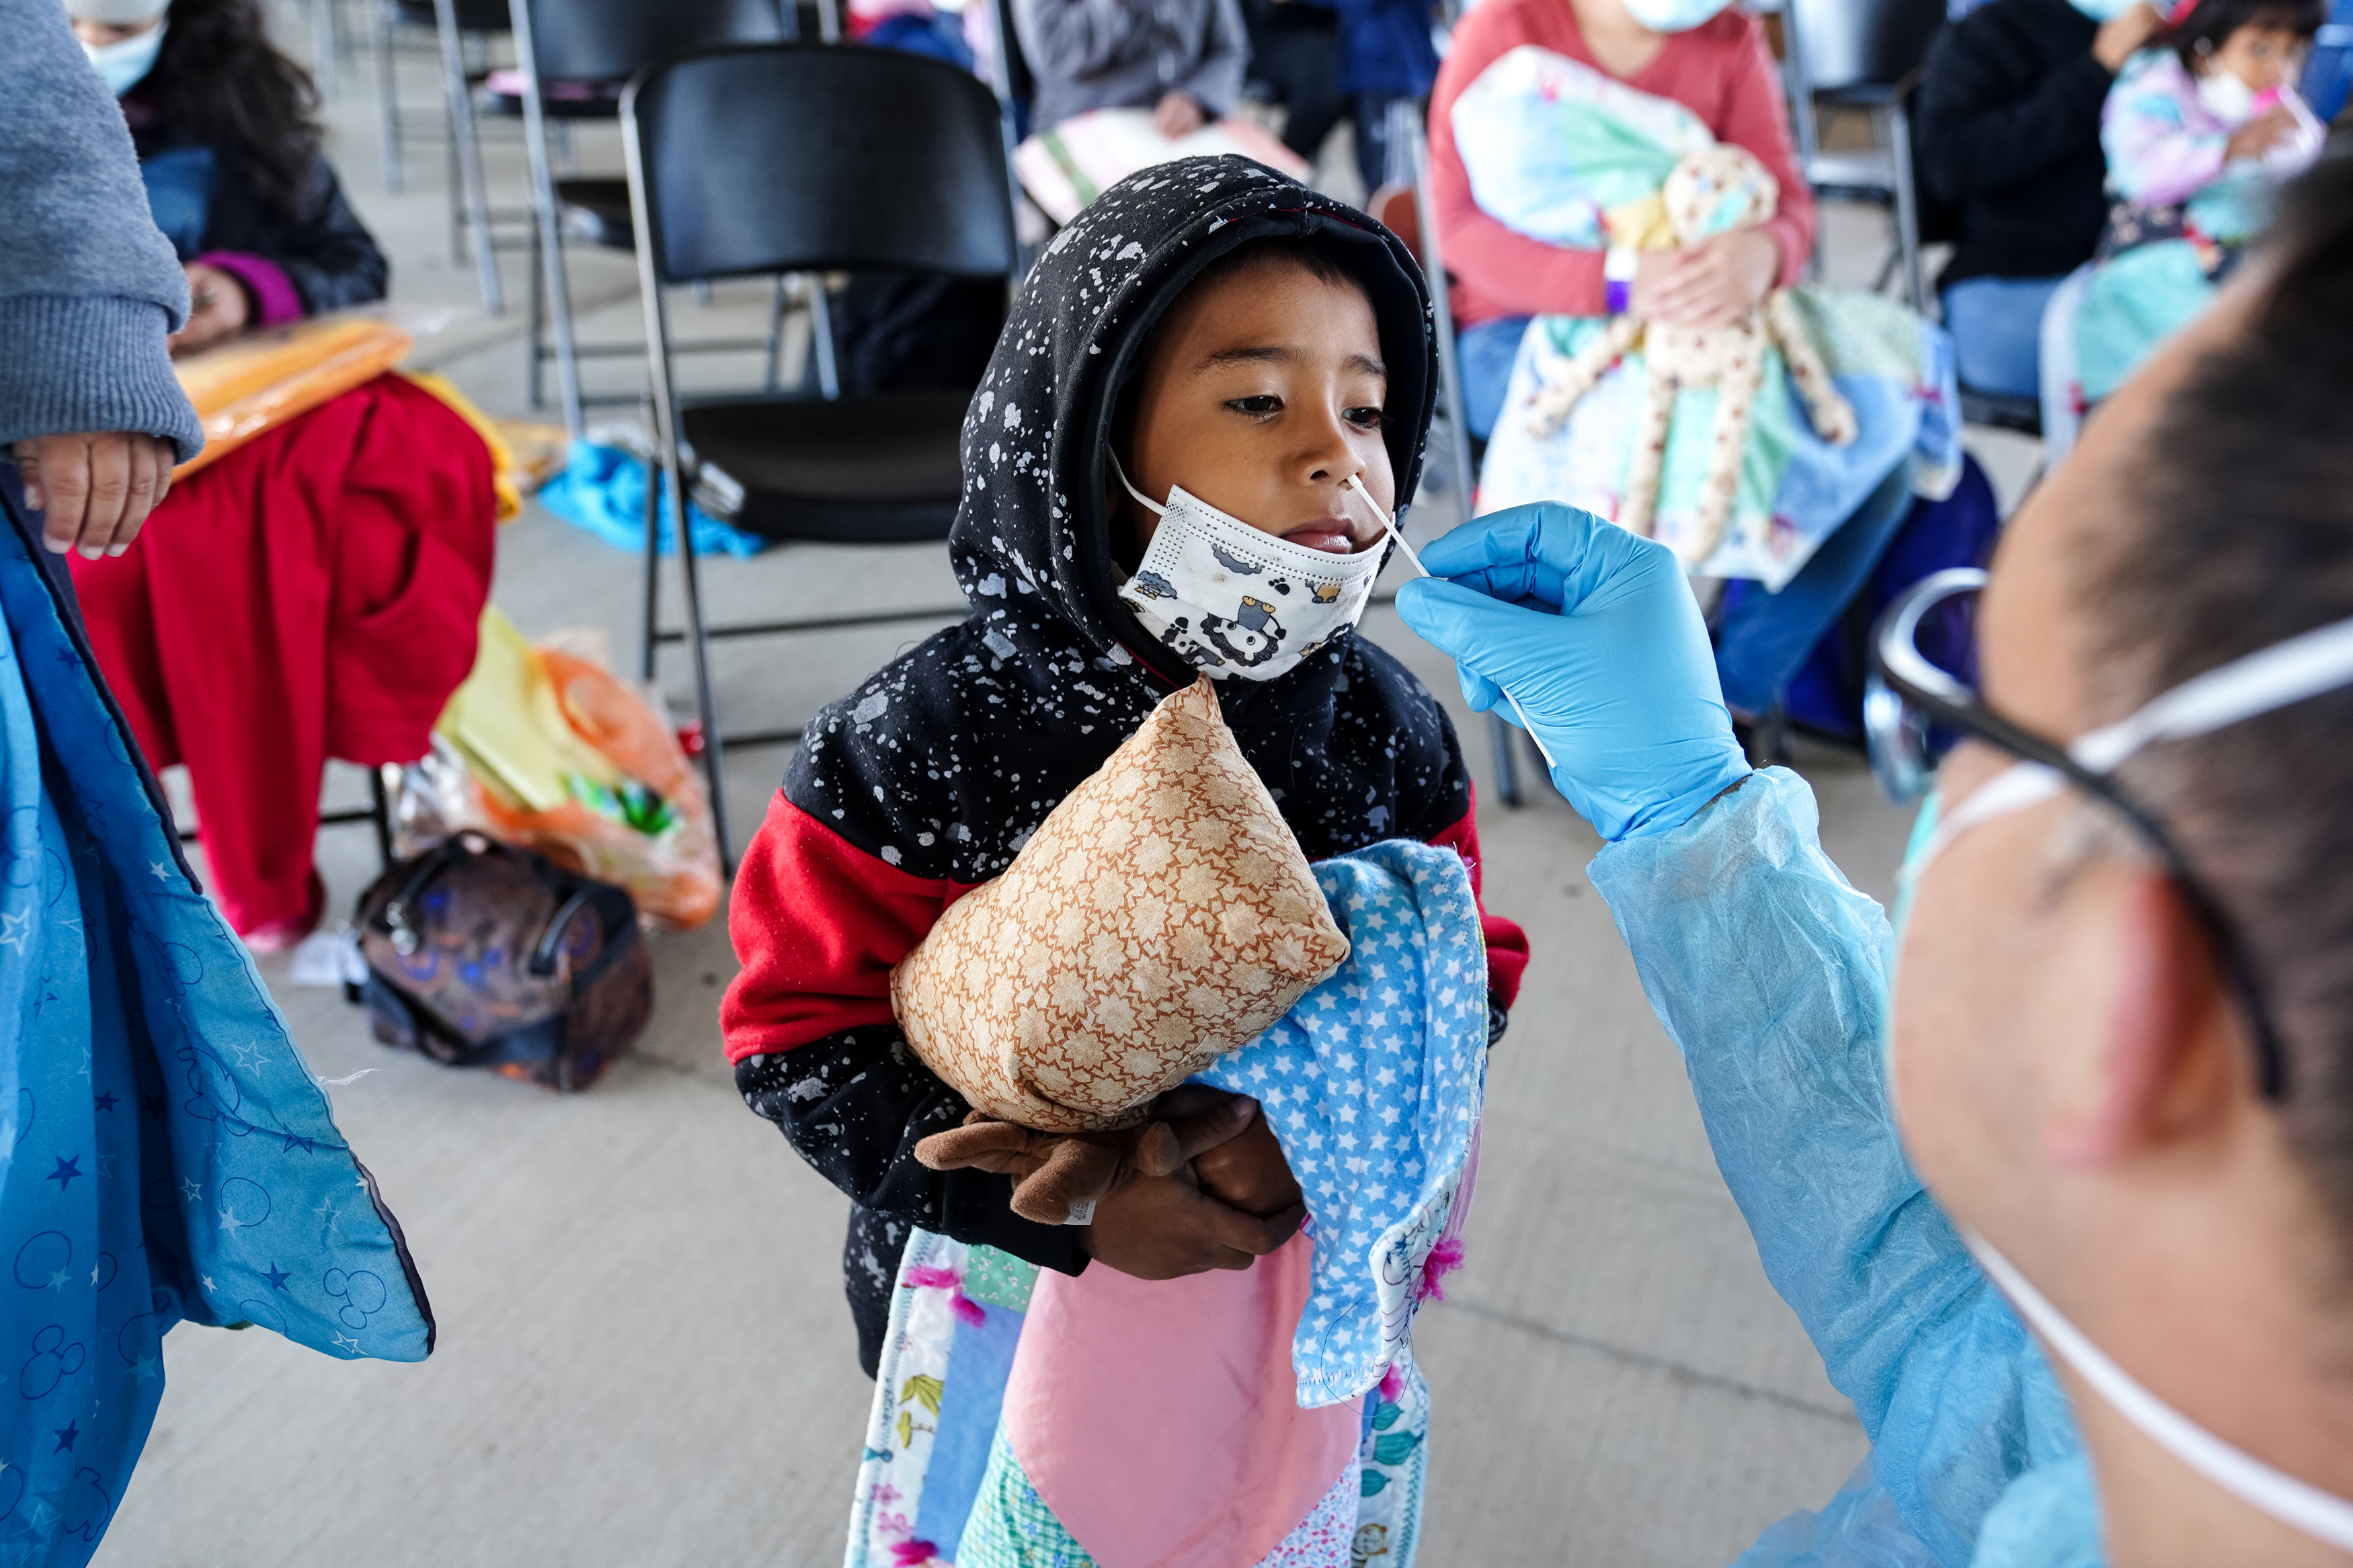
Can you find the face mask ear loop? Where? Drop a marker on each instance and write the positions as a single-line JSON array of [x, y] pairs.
[[1388, 526], [1154, 507]]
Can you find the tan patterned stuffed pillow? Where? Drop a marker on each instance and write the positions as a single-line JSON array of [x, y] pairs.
[[1160, 917]]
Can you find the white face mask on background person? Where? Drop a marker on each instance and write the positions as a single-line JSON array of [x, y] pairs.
[[125, 63], [2223, 95], [2276, 677], [1233, 601], [1673, 16]]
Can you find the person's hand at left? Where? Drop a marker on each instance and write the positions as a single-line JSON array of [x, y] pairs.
[[1179, 114], [96, 487], [218, 309], [1713, 283]]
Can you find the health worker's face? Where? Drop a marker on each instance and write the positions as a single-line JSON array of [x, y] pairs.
[[2021, 958], [2263, 58], [1261, 394]]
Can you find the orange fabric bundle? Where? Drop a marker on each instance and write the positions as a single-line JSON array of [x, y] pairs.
[[261, 380]]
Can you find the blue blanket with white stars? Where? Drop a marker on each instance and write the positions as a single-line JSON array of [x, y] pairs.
[[164, 1153], [1373, 1085]]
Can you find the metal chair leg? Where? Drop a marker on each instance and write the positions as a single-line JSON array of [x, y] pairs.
[[777, 336], [828, 377], [534, 334], [547, 238], [706, 696], [468, 153], [387, 99], [1907, 206], [380, 815], [1507, 763], [322, 47], [649, 644]]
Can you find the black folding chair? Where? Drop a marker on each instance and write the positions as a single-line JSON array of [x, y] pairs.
[[1866, 55], [801, 158], [587, 44]]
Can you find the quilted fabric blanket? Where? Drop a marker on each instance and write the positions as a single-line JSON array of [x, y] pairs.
[[1373, 1085]]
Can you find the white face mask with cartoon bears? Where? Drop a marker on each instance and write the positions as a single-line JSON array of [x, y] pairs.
[[1233, 601]]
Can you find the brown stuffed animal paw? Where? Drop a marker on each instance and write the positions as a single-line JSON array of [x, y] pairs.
[[1055, 1174]]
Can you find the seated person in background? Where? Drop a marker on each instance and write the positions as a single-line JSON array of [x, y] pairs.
[[1717, 69], [223, 124], [1560, 132], [316, 592], [2198, 134], [1387, 54], [1182, 59], [2009, 130], [2215, 115]]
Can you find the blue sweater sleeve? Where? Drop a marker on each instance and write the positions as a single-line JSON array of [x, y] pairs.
[[88, 289], [1765, 967]]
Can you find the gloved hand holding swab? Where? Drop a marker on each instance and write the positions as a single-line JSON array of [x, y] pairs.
[[1388, 524]]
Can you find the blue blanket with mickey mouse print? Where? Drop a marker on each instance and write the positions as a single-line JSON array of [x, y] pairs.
[[164, 1153]]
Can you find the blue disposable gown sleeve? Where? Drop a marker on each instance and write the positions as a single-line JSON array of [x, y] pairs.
[[1767, 968]]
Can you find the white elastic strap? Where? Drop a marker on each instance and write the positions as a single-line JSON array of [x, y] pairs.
[[2014, 788], [1388, 524], [1154, 507], [2284, 673], [2300, 1505]]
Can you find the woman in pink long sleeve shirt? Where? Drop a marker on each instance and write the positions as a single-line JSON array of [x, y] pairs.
[[1721, 71]]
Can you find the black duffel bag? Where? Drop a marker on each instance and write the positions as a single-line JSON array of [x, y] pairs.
[[482, 955]]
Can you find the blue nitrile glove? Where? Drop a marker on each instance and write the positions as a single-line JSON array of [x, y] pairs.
[[1596, 633]]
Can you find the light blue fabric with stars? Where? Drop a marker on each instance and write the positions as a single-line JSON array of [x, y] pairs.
[[167, 1155], [1372, 1084]]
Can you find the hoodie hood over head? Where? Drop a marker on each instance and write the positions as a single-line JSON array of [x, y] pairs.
[[945, 760], [1037, 437]]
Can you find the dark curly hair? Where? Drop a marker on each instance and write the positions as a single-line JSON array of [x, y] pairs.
[[221, 82], [2209, 25]]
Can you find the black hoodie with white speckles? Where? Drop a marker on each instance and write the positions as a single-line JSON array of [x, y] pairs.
[[929, 778]]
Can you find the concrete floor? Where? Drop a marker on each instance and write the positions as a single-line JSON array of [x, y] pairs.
[[645, 1359]]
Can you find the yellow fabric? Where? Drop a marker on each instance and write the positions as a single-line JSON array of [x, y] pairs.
[[1640, 225], [502, 458], [508, 720], [260, 380], [1162, 916]]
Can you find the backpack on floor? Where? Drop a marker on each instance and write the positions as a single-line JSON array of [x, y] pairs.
[[482, 955], [1826, 695]]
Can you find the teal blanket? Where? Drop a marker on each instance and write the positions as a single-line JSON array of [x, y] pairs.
[[167, 1156]]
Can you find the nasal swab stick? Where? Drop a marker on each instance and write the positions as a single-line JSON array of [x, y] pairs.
[[1389, 526]]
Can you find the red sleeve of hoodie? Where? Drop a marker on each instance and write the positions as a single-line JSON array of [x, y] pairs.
[[1507, 944], [1720, 71], [817, 926]]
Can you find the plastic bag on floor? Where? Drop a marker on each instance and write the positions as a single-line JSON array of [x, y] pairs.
[[553, 752]]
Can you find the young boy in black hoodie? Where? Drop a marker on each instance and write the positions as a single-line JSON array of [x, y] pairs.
[[926, 781]]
